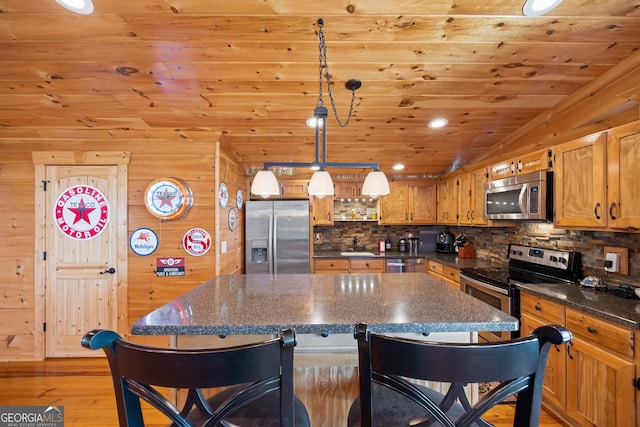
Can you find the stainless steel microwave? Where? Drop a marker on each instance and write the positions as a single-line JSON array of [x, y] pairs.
[[520, 197]]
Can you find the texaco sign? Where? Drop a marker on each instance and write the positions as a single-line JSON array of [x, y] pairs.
[[81, 212]]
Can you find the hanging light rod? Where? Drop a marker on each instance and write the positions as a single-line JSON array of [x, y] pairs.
[[321, 184]]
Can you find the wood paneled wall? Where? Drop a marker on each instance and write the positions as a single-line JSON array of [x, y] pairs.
[[197, 161]]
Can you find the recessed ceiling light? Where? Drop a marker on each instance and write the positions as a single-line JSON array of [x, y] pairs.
[[438, 123], [539, 7], [398, 167], [83, 7]]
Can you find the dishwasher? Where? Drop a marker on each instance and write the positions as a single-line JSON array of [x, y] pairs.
[[404, 265]]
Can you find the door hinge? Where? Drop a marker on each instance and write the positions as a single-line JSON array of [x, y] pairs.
[[44, 255], [44, 185], [636, 383], [44, 326]]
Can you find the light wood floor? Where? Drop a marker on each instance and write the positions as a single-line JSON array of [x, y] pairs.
[[83, 386]]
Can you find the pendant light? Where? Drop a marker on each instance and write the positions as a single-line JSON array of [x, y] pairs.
[[321, 184]]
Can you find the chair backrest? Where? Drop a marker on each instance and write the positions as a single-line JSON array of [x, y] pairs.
[[264, 367], [518, 365]]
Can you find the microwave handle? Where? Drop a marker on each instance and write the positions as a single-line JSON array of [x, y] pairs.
[[523, 200]]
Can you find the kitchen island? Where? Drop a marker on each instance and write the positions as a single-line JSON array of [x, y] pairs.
[[323, 309], [322, 304]]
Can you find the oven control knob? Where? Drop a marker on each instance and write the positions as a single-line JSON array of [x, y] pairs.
[[563, 260], [553, 258]]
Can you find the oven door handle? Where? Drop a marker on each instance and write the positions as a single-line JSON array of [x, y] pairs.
[[485, 285]]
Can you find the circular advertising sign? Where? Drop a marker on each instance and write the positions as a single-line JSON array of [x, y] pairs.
[[196, 242], [143, 241], [81, 212]]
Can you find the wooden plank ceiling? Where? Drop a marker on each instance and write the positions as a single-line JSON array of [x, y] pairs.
[[163, 70]]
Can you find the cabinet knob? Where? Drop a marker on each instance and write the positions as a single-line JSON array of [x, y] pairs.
[[537, 307], [591, 329], [595, 210]]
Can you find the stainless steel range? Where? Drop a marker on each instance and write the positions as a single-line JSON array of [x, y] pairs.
[[497, 286]]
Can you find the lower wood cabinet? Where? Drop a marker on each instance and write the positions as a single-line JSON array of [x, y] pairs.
[[589, 382], [348, 265], [449, 275], [537, 312]]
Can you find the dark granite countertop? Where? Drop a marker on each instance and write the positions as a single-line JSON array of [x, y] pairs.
[[623, 311], [322, 304]]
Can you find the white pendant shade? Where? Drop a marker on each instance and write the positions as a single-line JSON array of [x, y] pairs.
[[375, 184], [265, 184], [321, 184]]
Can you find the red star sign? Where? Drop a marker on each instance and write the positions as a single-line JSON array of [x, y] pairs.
[[166, 198], [82, 212]]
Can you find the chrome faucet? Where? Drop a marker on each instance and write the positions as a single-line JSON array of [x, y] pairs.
[[355, 244]]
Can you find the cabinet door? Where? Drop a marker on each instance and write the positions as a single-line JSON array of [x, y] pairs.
[[393, 206], [322, 210], [580, 192], [599, 387], [448, 201], [465, 194], [422, 203], [478, 179], [554, 390], [294, 188], [623, 166], [346, 190], [537, 161]]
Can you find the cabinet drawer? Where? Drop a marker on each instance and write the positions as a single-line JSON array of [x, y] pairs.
[[451, 274], [435, 268], [602, 332], [546, 310], [332, 264], [376, 265]]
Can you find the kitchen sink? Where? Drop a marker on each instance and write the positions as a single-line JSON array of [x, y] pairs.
[[357, 254]]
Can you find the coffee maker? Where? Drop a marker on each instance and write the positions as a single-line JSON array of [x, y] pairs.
[[445, 242]]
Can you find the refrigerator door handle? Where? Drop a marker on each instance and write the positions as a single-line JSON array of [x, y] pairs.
[[272, 241]]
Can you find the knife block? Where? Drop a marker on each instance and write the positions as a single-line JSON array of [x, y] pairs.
[[466, 251]]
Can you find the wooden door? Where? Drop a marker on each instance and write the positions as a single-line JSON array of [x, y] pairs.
[[106, 171], [478, 180], [422, 203], [464, 198], [81, 241], [554, 388], [599, 387], [393, 206], [580, 190], [623, 188], [322, 210]]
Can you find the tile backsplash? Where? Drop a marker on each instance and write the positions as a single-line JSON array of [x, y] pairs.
[[491, 243]]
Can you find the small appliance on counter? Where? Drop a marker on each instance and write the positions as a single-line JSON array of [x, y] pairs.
[[445, 242], [463, 247], [403, 246]]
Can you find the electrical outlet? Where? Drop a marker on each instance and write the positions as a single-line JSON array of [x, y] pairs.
[[622, 259], [612, 262]]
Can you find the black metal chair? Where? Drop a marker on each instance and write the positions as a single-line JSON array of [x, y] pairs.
[[387, 398], [260, 376]]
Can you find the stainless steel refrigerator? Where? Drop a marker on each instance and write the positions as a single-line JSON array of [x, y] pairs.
[[277, 236]]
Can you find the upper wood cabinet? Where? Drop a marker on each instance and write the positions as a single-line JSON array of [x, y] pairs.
[[347, 189], [471, 197], [448, 201], [536, 161], [321, 210], [596, 180], [294, 188], [579, 182], [623, 176], [409, 203]]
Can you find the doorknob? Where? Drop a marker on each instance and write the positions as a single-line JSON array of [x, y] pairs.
[[108, 270]]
